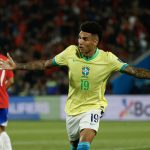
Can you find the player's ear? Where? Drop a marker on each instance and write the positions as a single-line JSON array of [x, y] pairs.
[[95, 40]]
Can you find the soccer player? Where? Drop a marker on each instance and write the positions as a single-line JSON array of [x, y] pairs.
[[89, 69], [6, 80]]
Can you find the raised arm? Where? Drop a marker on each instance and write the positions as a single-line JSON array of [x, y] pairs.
[[137, 72], [34, 65]]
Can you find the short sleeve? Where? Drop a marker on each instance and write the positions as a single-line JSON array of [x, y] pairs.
[[116, 63], [62, 58]]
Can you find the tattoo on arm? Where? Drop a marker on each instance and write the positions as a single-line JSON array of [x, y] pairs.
[[137, 72], [35, 65]]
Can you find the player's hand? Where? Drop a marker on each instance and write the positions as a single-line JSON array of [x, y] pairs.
[[9, 64]]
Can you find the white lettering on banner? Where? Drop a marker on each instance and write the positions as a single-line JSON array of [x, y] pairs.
[[29, 108]]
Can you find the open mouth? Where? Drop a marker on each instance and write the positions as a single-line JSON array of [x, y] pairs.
[[80, 47]]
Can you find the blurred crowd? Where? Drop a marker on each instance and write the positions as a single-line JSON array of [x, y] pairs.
[[40, 29]]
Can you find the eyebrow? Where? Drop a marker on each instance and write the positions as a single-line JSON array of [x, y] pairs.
[[83, 36]]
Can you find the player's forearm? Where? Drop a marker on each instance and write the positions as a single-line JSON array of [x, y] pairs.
[[142, 73], [138, 72], [35, 65]]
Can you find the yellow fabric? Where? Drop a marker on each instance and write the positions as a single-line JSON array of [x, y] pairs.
[[87, 78]]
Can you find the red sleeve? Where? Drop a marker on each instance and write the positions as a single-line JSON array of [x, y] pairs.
[[9, 74]]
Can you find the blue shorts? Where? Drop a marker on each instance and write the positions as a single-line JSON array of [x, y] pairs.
[[3, 116]]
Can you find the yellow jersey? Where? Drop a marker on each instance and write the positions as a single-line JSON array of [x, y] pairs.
[[87, 78]]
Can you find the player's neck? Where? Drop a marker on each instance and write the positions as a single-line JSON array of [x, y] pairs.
[[89, 54]]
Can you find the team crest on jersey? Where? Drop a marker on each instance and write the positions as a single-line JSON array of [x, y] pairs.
[[85, 71]]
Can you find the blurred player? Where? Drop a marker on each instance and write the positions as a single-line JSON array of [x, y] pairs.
[[6, 80], [89, 69]]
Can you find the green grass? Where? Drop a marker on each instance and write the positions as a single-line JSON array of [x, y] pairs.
[[51, 135]]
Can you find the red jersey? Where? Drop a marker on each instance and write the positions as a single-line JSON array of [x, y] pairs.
[[4, 76]]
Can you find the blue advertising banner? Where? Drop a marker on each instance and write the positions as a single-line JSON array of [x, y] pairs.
[[34, 108], [23, 108]]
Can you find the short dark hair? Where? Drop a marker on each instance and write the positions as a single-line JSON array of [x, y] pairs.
[[92, 27]]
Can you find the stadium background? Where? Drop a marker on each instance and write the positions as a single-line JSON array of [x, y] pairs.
[[39, 29]]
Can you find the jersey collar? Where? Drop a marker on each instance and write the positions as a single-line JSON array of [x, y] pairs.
[[92, 57]]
